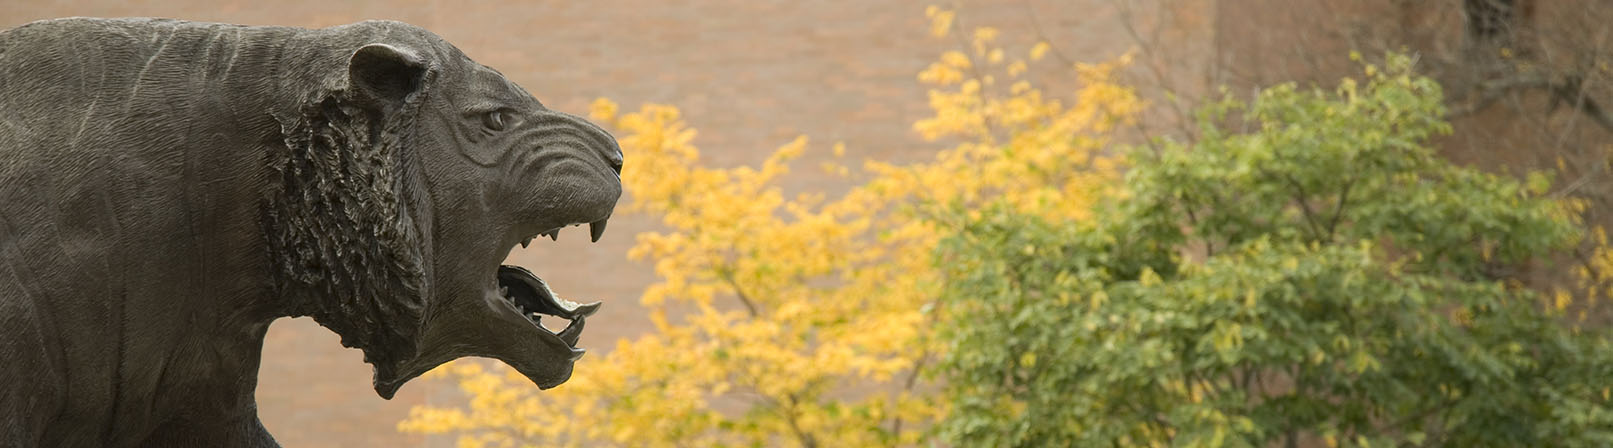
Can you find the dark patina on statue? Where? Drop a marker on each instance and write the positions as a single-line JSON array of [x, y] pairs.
[[169, 188]]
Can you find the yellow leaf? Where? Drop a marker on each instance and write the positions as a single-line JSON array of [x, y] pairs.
[[985, 34], [940, 23], [1039, 50]]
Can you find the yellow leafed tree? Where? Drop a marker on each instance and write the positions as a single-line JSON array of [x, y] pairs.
[[801, 321]]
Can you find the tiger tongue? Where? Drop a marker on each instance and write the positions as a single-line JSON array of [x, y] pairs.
[[534, 294]]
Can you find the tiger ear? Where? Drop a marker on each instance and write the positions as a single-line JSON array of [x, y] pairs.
[[384, 76]]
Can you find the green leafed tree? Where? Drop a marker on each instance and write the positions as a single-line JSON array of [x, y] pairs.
[[1307, 273]]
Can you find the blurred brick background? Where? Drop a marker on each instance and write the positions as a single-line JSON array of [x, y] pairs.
[[750, 75]]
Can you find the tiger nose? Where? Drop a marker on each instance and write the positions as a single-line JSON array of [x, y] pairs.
[[603, 142], [613, 155]]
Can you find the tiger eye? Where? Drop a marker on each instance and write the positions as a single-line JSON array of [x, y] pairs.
[[493, 120]]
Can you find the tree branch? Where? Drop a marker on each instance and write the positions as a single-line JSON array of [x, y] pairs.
[[1338, 209], [1305, 206], [1567, 91], [739, 292]]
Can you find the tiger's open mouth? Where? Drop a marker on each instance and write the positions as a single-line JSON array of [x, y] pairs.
[[531, 297], [514, 321]]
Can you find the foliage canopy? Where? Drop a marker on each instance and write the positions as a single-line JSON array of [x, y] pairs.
[[1318, 274]]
